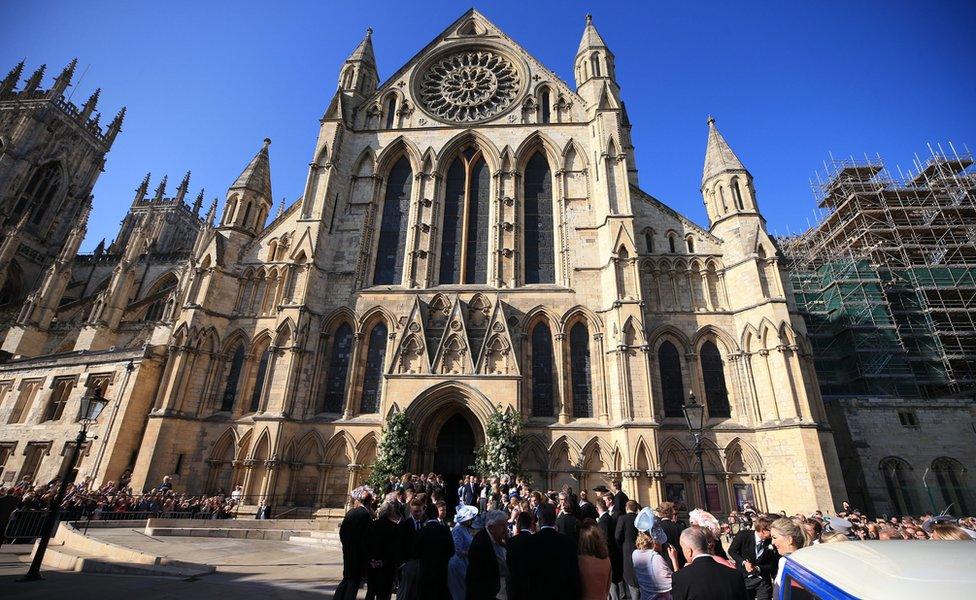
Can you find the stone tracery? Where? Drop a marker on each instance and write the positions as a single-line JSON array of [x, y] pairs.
[[469, 86]]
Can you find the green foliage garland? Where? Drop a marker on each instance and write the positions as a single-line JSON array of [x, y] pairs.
[[500, 454], [393, 454]]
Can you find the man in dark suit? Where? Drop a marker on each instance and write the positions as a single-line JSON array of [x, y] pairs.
[[673, 528], [567, 523], [586, 508], [608, 525], [702, 578], [619, 498], [435, 547], [483, 580], [756, 558], [517, 557], [552, 568], [354, 536], [384, 547], [626, 538], [409, 529], [469, 492]]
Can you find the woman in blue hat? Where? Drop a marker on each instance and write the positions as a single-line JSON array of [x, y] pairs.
[[650, 567], [465, 527]]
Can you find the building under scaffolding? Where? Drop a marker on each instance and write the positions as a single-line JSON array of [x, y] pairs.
[[886, 281]]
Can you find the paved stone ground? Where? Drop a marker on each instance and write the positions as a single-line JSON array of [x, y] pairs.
[[246, 569]]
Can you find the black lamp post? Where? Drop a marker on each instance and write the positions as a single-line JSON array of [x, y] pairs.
[[695, 417], [91, 406]]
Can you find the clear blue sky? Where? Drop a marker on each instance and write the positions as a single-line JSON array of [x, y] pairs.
[[787, 84]]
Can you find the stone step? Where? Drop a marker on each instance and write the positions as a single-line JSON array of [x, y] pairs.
[[326, 535], [315, 542], [67, 559]]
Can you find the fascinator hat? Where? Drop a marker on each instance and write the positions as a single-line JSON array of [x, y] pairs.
[[649, 524], [704, 519], [361, 493]]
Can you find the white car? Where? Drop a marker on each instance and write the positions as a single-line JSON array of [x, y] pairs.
[[866, 570]]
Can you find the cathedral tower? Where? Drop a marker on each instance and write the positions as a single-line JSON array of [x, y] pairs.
[[51, 154]]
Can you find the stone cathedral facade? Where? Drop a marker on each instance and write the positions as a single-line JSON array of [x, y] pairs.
[[472, 237]]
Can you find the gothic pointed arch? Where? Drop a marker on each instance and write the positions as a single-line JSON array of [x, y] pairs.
[[674, 456], [340, 446], [400, 147], [642, 455], [741, 456], [567, 445], [366, 449], [468, 138], [310, 445], [261, 450], [535, 142]]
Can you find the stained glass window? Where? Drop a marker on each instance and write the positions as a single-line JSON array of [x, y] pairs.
[[542, 371], [672, 386], [465, 232], [335, 385], [579, 348], [540, 266], [451, 232], [373, 373], [259, 380], [476, 269], [393, 227], [233, 379], [713, 376]]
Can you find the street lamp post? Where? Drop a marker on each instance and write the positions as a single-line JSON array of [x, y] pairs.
[[91, 407], [695, 417]]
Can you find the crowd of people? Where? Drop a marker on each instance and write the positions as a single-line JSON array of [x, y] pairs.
[[114, 500], [498, 538]]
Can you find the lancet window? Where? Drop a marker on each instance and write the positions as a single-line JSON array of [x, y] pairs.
[[373, 373], [713, 378], [672, 385], [579, 348], [233, 379], [539, 252], [464, 241], [393, 226], [335, 384], [542, 371]]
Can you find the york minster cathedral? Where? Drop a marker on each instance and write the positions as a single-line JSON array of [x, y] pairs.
[[472, 237]]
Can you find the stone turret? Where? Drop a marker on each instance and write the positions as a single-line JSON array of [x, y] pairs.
[[249, 199]]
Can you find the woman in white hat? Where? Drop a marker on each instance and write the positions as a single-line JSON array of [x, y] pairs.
[[463, 533], [651, 568]]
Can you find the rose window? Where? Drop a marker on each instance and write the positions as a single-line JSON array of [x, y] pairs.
[[469, 86]]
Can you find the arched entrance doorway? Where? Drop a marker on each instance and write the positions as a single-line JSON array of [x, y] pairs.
[[449, 423], [454, 449]]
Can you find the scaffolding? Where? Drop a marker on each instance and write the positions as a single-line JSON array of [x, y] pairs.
[[886, 279]]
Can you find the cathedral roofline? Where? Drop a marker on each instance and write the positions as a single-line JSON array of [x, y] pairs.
[[447, 31]]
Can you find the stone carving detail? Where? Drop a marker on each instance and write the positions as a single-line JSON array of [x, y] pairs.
[[469, 86]]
